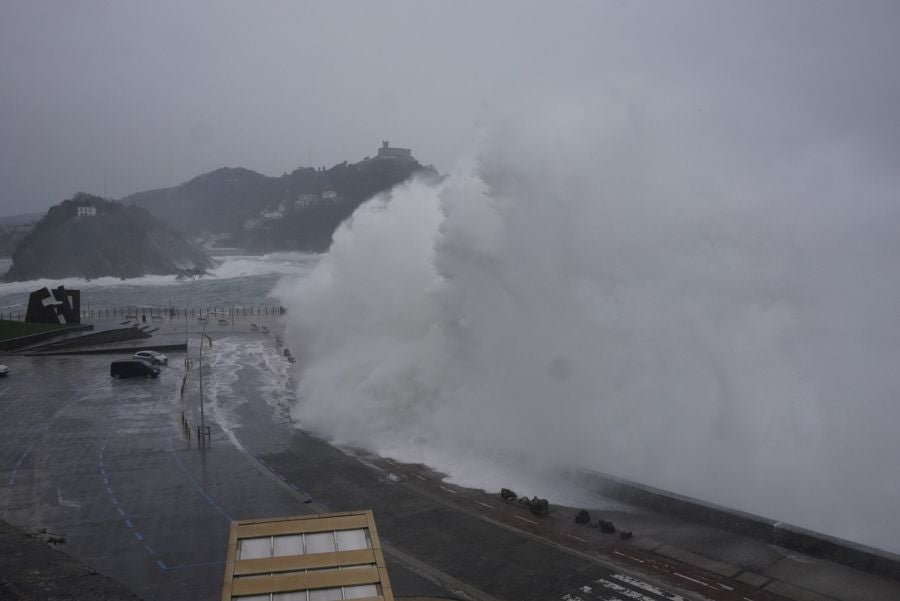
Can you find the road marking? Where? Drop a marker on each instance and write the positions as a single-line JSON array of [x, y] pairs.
[[700, 582], [575, 537], [617, 552], [646, 586], [149, 550], [196, 484], [138, 536], [129, 524], [453, 492], [627, 592], [484, 504], [12, 478], [525, 520]]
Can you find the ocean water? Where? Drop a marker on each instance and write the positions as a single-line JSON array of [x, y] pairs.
[[238, 279]]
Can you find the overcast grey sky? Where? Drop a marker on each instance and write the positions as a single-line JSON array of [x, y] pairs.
[[128, 96]]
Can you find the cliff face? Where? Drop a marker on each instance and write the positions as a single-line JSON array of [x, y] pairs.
[[107, 239]]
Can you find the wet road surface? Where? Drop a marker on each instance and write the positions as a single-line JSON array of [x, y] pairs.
[[109, 465]]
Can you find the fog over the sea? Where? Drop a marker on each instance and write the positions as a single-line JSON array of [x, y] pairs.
[[720, 322]]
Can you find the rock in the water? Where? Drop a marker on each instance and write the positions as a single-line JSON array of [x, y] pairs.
[[539, 506], [508, 495]]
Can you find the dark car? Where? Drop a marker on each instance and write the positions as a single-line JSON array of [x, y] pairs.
[[132, 368]]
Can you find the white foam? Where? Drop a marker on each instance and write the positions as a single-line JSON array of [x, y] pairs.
[[222, 368], [596, 292], [231, 267]]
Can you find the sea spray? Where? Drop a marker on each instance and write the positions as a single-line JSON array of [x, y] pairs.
[[706, 321]]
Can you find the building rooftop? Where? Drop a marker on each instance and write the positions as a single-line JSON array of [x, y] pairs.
[[323, 556]]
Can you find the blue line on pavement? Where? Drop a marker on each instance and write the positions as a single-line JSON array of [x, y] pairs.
[[12, 478], [196, 484]]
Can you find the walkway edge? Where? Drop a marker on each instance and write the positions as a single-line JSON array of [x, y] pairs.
[[815, 544]]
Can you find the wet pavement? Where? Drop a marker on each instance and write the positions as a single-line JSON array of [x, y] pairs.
[[115, 466]]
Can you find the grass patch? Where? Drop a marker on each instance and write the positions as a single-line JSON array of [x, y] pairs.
[[14, 329]]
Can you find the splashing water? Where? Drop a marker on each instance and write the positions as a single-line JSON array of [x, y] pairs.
[[697, 318]]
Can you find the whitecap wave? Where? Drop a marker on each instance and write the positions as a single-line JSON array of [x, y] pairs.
[[14, 295]]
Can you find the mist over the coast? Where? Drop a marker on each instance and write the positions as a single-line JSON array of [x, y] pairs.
[[591, 290]]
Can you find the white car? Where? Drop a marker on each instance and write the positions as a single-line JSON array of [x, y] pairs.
[[152, 356], [3, 370]]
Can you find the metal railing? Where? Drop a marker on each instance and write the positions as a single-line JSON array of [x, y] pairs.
[[160, 313]]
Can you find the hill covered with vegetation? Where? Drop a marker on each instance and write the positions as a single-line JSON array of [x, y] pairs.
[[297, 211], [87, 236]]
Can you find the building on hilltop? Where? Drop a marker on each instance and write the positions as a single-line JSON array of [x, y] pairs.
[[87, 211], [387, 152]]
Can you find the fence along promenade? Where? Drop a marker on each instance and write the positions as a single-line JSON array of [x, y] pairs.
[[138, 312]]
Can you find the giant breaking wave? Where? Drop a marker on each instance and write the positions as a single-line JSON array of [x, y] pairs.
[[622, 294]]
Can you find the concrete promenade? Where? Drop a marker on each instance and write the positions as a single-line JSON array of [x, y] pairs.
[[109, 465]]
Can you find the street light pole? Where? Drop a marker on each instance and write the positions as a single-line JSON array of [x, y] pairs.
[[190, 291], [200, 370]]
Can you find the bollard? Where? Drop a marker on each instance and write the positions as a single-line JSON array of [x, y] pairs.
[[201, 434]]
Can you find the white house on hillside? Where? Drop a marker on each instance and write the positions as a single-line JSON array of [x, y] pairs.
[[87, 211]]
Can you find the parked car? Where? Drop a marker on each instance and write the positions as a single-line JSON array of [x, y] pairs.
[[132, 368], [152, 356], [3, 370]]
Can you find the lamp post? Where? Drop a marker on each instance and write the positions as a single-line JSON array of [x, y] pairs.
[[190, 291], [200, 371]]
